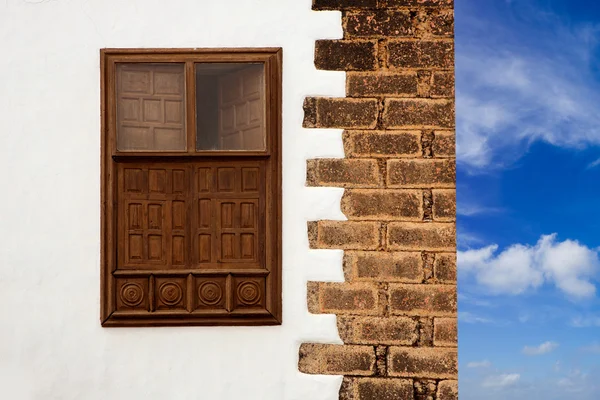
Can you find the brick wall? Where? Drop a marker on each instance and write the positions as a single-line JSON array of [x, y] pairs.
[[396, 311]]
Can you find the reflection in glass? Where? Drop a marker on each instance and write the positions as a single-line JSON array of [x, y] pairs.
[[230, 106], [151, 107]]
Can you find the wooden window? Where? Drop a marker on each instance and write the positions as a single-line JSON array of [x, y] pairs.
[[191, 194]]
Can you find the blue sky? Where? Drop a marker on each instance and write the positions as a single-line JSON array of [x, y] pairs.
[[528, 153]]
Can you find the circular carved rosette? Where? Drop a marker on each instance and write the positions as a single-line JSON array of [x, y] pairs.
[[170, 293], [249, 293], [210, 293], [132, 294]]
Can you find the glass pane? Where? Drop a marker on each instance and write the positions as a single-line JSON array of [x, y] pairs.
[[230, 106], [151, 107]]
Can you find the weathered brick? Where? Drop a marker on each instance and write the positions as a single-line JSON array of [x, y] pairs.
[[328, 359], [421, 54], [436, 363], [343, 173], [445, 267], [343, 298], [323, 112], [346, 55], [377, 389], [423, 173], [422, 299], [418, 113], [425, 332], [424, 389], [374, 330], [444, 204], [382, 143], [442, 84], [406, 205], [343, 4], [378, 23], [444, 144], [417, 3], [384, 266], [445, 332], [434, 22], [381, 84], [434, 236], [345, 235], [447, 390]]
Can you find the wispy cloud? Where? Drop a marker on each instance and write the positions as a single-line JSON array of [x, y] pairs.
[[543, 348], [479, 364], [585, 321], [592, 348], [593, 164], [500, 381], [569, 265], [511, 92], [471, 209]]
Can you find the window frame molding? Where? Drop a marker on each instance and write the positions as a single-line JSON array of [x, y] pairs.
[[110, 157]]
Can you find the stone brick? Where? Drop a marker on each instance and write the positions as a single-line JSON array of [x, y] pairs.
[[378, 23], [381, 84], [444, 144], [345, 55], [445, 332], [426, 173], [382, 143], [447, 390], [434, 22], [445, 267], [343, 298], [323, 112], [422, 299], [378, 389], [434, 236], [328, 359], [418, 113], [417, 3], [375, 330], [345, 235], [435, 363], [343, 173], [343, 4], [444, 204], [442, 84], [406, 205], [384, 266], [421, 54], [424, 389]]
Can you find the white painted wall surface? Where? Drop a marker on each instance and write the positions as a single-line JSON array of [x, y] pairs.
[[51, 342]]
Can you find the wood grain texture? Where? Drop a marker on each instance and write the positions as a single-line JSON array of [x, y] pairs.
[[188, 237]]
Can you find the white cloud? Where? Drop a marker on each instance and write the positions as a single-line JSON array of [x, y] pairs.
[[471, 318], [479, 364], [511, 93], [543, 348], [472, 209], [585, 321], [500, 381], [593, 164], [569, 265]]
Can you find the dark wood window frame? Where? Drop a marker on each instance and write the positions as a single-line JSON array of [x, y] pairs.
[[249, 296]]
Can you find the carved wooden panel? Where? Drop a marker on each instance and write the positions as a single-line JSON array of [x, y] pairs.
[[241, 110], [150, 107], [191, 237]]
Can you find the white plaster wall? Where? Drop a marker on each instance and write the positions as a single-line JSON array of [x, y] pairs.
[[51, 342]]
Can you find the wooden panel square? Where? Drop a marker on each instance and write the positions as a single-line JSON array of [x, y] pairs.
[[132, 294], [211, 292], [248, 292], [170, 293]]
